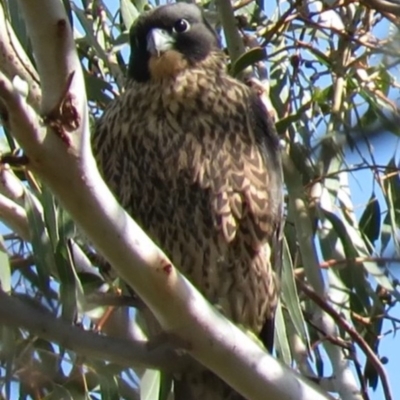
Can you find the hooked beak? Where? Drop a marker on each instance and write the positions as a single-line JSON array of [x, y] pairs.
[[159, 41]]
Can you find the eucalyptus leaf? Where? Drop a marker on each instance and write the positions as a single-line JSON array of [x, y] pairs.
[[248, 59], [291, 297], [5, 270], [150, 385], [41, 243], [129, 13], [281, 336]]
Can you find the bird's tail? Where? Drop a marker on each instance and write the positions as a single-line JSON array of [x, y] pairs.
[[203, 385]]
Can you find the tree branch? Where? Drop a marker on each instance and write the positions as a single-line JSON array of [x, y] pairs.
[[14, 216], [369, 353], [12, 195], [14, 61], [16, 313], [234, 41], [383, 6]]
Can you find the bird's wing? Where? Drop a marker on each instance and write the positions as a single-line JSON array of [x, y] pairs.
[[267, 137], [243, 175], [264, 128]]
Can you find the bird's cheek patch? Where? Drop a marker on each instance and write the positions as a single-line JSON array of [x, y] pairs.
[[167, 65]]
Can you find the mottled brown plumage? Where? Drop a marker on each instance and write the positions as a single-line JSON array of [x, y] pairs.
[[192, 155]]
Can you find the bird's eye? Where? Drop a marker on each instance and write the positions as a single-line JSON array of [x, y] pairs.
[[181, 26]]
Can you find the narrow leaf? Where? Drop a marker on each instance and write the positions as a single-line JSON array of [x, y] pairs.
[[290, 295], [248, 59], [150, 385], [129, 13]]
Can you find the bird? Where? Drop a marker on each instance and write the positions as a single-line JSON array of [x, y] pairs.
[[193, 156]]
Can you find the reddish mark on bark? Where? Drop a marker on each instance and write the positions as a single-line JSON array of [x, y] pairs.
[[61, 26], [64, 117], [166, 267]]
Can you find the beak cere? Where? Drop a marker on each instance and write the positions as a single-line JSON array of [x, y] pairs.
[[159, 41], [165, 61]]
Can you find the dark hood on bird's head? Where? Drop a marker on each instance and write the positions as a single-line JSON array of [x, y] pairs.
[[193, 44]]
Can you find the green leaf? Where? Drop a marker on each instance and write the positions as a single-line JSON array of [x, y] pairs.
[[281, 336], [67, 282], [386, 232], [71, 291], [141, 4], [370, 221], [66, 225], [129, 13], [354, 247], [91, 38], [373, 337], [392, 188], [165, 386], [108, 386], [248, 59], [50, 215], [41, 245], [46, 354], [5, 270], [19, 27], [96, 87], [291, 297], [279, 79], [120, 40], [150, 385], [59, 392]]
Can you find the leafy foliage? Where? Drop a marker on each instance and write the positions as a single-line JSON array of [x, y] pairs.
[[330, 72]]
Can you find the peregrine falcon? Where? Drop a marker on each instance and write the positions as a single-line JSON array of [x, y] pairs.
[[192, 154]]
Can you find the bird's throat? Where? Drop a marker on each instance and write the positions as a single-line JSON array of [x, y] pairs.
[[167, 65]]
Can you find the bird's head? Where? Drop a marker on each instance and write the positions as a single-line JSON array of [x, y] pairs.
[[169, 39]]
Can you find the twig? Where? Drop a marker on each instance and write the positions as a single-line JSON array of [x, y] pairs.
[[38, 321], [284, 19], [358, 260], [352, 169], [383, 6], [114, 300], [14, 216], [317, 299]]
